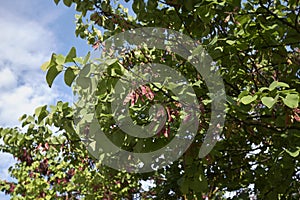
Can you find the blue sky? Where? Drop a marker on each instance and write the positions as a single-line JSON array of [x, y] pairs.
[[30, 31]]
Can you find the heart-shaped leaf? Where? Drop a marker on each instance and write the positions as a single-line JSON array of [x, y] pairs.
[[291, 100], [268, 101]]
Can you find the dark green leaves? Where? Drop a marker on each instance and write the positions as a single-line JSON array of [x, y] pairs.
[[71, 55], [56, 1], [256, 48], [70, 75], [196, 182], [52, 73], [68, 2], [189, 5], [57, 64], [138, 6]]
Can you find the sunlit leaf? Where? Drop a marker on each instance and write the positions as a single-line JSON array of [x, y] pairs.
[[291, 100]]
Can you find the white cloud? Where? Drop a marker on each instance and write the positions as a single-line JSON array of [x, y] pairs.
[[27, 39], [7, 79], [23, 99], [30, 31], [26, 42]]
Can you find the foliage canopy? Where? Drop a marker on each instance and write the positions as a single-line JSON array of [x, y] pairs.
[[256, 46]]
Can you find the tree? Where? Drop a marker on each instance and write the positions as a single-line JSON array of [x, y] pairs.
[[255, 46]]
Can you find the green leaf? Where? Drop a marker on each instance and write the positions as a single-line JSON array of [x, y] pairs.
[[28, 120], [110, 61], [230, 42], [248, 99], [41, 113], [70, 75], [71, 55], [263, 89], [45, 66], [86, 58], [22, 117], [183, 185], [6, 138], [291, 100], [189, 5], [68, 2], [219, 48], [268, 101], [243, 93], [214, 40], [60, 59], [293, 154], [56, 1], [39, 110], [83, 82], [201, 185], [138, 6], [52, 73], [50, 63], [276, 84], [78, 60]]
